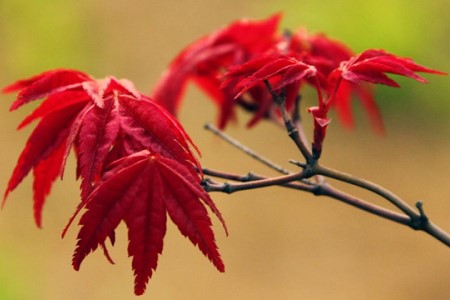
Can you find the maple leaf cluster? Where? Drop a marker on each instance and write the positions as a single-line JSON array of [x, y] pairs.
[[136, 163], [235, 65], [134, 160]]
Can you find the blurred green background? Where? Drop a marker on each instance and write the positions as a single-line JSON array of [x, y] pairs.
[[282, 244]]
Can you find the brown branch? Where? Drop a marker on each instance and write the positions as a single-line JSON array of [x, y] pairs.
[[254, 184], [212, 186], [292, 130], [253, 181], [365, 184]]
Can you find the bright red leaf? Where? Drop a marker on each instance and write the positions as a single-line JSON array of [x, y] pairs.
[[45, 84], [205, 60], [139, 190], [342, 102], [100, 118], [326, 55], [45, 173], [133, 158], [372, 66], [280, 71], [320, 51]]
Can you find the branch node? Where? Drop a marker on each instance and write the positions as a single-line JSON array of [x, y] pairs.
[[227, 188], [205, 184], [317, 190], [419, 222], [249, 177], [419, 206]]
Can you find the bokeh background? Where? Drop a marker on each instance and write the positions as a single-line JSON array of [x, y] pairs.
[[282, 244]]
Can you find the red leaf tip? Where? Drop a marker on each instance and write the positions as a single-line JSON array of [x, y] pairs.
[[372, 66]]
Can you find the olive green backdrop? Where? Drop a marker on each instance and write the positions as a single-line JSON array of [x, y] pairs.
[[282, 244]]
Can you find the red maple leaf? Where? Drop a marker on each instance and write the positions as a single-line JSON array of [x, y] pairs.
[[326, 55], [139, 189], [103, 119], [320, 51], [369, 66], [372, 65], [205, 60], [134, 160], [281, 71]]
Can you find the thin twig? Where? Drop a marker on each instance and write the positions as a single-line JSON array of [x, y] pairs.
[[246, 149], [290, 127], [301, 133], [212, 186], [265, 182]]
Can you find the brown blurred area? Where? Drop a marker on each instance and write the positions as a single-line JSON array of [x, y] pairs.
[[283, 244]]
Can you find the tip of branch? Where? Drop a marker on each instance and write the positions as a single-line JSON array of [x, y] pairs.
[[423, 216], [209, 126], [227, 188], [419, 222], [297, 163]]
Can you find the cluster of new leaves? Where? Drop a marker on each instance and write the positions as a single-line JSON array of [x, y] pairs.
[[205, 60], [133, 158], [247, 62]]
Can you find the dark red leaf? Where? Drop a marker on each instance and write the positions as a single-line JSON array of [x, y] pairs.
[[48, 135], [371, 66], [284, 70], [45, 84], [139, 190], [45, 173], [343, 104], [156, 129], [205, 60], [184, 181], [152, 170], [146, 222], [106, 207], [54, 103], [97, 133], [99, 116]]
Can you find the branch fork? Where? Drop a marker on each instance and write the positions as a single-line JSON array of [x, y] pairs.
[[312, 169]]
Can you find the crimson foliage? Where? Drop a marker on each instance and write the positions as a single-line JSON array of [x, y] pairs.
[[256, 55], [134, 159]]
